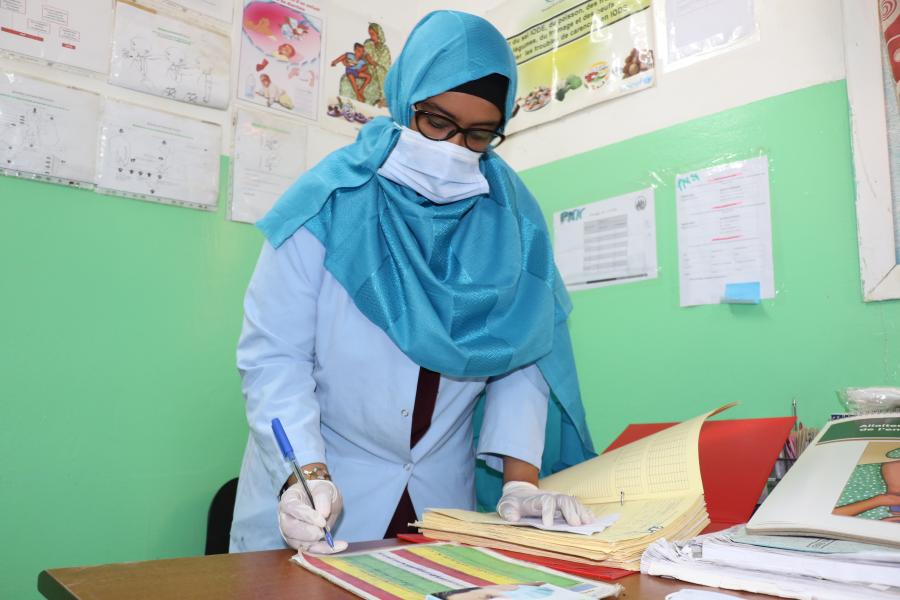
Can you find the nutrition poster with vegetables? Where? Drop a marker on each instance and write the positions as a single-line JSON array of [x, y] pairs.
[[572, 54]]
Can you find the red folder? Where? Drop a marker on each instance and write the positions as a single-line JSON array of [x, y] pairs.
[[736, 458]]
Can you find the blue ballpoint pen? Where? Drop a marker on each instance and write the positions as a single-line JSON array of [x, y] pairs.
[[288, 451]]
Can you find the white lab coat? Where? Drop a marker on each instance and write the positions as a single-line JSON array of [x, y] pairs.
[[345, 395]]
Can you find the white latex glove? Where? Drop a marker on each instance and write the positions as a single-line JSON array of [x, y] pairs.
[[301, 524], [522, 499]]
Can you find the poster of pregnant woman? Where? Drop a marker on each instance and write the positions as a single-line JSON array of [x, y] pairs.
[[281, 48]]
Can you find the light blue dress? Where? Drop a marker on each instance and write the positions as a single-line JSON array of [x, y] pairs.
[[370, 281], [345, 394]]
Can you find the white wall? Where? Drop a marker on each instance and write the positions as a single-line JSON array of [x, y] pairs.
[[403, 14], [800, 45]]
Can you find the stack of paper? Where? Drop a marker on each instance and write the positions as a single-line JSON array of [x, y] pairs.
[[785, 566], [417, 570], [649, 489]]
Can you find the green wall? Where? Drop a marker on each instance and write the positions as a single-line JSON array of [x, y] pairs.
[[122, 414], [643, 358], [121, 411]]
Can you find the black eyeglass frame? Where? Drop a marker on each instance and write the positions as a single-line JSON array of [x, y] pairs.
[[456, 129]]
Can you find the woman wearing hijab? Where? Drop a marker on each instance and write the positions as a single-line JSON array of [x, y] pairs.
[[377, 49], [404, 278]]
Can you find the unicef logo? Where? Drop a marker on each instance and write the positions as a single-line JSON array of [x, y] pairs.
[[640, 203]]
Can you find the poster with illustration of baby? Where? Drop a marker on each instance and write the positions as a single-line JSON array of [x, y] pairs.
[[281, 55], [359, 52], [873, 489]]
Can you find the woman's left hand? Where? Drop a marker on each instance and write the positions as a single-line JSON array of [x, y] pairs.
[[522, 499]]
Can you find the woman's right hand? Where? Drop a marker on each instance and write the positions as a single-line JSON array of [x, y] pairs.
[[302, 524]]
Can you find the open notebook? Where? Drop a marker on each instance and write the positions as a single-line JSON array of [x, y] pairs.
[[652, 485]]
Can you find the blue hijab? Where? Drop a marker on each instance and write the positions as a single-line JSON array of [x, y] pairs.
[[467, 289]]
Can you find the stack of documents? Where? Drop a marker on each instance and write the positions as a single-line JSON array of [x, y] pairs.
[[648, 490], [435, 570], [785, 566]]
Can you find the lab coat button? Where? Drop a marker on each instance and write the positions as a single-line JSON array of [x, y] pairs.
[[408, 466], [404, 412]]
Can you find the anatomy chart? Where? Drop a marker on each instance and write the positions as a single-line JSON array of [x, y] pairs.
[[158, 155], [159, 55], [281, 47], [269, 154], [47, 130], [70, 32]]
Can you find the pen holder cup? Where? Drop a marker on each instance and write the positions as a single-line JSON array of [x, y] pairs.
[[779, 470]]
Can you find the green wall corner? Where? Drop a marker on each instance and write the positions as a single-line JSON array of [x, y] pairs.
[[642, 358]]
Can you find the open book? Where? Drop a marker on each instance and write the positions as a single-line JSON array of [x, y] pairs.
[[846, 485], [653, 485]]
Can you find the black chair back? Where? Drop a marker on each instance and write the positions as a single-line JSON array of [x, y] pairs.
[[218, 523]]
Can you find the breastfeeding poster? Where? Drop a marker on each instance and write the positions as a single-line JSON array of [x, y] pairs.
[[281, 51], [359, 53], [574, 53]]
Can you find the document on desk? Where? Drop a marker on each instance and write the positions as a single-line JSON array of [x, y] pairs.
[[724, 231], [607, 242], [638, 519], [850, 562], [652, 485], [415, 571], [727, 559], [559, 524], [661, 465]]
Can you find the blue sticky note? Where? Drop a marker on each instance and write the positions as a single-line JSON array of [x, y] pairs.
[[741, 293]]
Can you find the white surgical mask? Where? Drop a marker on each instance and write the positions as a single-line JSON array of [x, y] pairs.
[[443, 172]]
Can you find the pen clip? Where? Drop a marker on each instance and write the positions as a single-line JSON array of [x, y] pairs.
[[621, 497]]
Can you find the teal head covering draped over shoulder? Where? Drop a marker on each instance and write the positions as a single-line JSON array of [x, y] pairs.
[[467, 289]]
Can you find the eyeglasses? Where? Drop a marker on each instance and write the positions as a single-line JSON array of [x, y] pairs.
[[440, 128]]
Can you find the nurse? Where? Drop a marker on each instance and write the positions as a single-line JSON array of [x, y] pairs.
[[403, 279]]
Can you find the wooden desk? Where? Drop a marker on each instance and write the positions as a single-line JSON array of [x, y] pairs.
[[250, 576]]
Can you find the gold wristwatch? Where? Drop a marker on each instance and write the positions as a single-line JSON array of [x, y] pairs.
[[315, 472], [309, 473]]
